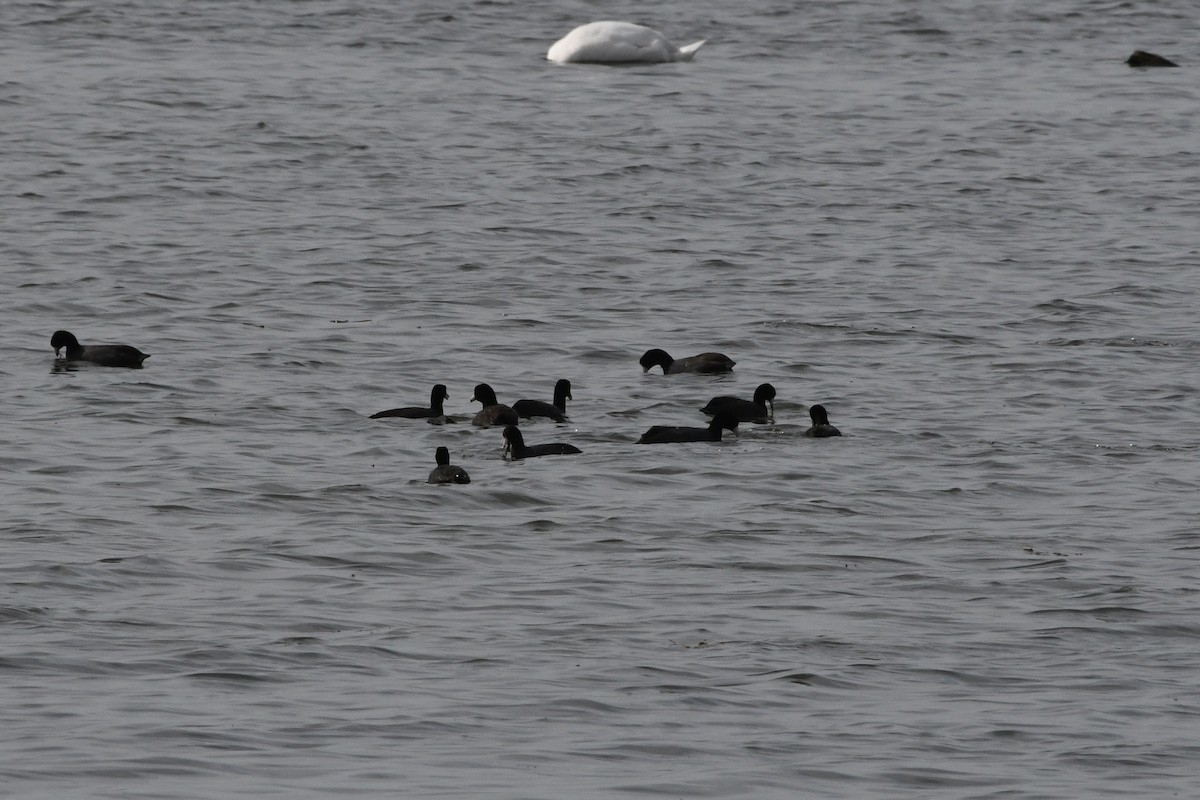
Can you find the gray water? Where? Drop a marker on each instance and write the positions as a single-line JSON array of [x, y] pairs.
[[969, 230]]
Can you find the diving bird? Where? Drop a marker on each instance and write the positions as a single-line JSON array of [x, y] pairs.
[[1141, 58], [618, 43]]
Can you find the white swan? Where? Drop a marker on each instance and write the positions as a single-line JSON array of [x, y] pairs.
[[618, 43]]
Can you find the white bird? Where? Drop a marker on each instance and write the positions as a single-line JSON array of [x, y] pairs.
[[618, 43]]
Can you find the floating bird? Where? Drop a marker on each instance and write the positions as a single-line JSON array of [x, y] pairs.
[[760, 409], [664, 434], [820, 428], [104, 355], [1141, 58], [618, 43], [445, 472], [705, 362], [536, 408], [436, 397], [494, 412], [514, 445]]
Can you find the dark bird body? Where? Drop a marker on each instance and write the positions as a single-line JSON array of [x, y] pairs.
[[514, 445], [821, 428], [438, 395], [556, 411], [666, 434], [104, 355], [1141, 58], [445, 472], [705, 362], [494, 412], [760, 409]]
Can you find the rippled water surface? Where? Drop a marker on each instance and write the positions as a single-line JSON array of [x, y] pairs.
[[968, 230]]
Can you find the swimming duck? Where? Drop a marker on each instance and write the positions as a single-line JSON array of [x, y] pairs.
[[104, 355], [436, 397], [664, 434], [514, 445], [536, 408], [494, 412], [705, 362], [618, 43], [445, 472], [820, 428], [1141, 58], [760, 409]]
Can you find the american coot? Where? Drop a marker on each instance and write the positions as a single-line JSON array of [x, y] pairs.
[[536, 408], [445, 472], [104, 355], [760, 409], [618, 43], [820, 428], [514, 445], [663, 434], [494, 412], [705, 362], [1141, 58], [416, 412]]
